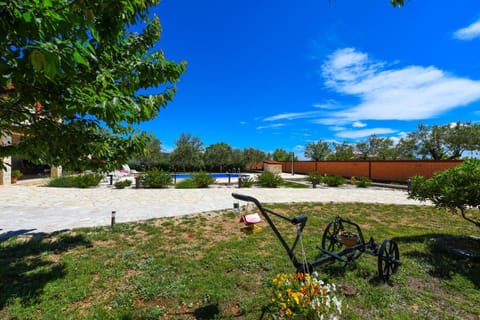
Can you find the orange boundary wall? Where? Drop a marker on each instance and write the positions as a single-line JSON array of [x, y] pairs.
[[398, 171]]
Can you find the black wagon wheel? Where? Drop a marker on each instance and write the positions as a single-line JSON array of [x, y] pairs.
[[388, 259], [330, 240]]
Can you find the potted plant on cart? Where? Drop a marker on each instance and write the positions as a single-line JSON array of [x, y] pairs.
[[16, 174], [348, 238]]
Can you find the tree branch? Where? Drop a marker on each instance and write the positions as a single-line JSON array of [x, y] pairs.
[[477, 223]]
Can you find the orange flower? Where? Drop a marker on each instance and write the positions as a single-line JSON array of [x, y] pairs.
[[38, 106]]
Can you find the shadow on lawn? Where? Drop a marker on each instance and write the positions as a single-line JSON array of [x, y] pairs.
[[442, 262], [26, 269]]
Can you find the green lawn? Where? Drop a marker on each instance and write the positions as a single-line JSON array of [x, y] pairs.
[[204, 267]]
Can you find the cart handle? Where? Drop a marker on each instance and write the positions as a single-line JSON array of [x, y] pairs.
[[245, 198]]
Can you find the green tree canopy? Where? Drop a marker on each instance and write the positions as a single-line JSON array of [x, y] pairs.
[[317, 151], [342, 151], [455, 189], [218, 156], [444, 142], [281, 155], [151, 156], [72, 77], [252, 155], [188, 152]]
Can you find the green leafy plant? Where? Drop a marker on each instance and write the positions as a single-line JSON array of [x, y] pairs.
[[123, 184], [247, 182], [16, 173], [269, 180], [314, 177], [363, 182], [454, 189], [303, 296], [203, 179], [334, 181], [156, 179], [84, 73], [81, 181]]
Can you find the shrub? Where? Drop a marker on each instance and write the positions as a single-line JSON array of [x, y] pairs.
[[269, 180], [16, 173], [363, 182], [202, 179], [334, 181], [80, 181], [156, 179], [247, 182], [186, 184], [455, 189], [123, 184], [314, 177]]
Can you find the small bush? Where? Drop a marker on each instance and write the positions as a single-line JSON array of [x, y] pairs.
[[80, 181], [202, 179], [334, 181], [363, 182], [156, 179], [247, 182], [123, 184], [186, 184], [314, 177], [16, 173], [269, 180]]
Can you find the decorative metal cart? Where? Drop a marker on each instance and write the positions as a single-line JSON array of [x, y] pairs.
[[337, 244]]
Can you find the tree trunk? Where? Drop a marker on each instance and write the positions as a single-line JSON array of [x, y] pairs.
[[477, 223]]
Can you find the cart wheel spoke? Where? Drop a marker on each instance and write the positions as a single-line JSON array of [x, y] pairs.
[[330, 240], [388, 259]]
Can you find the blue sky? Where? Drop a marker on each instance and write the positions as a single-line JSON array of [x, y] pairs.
[[281, 74]]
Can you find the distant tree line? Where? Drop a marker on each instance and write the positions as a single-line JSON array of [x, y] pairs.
[[437, 142], [190, 154]]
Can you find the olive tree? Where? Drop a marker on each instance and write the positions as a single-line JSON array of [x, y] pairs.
[[218, 156], [455, 189], [318, 151], [188, 153]]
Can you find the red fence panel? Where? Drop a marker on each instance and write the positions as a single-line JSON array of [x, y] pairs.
[[397, 171]]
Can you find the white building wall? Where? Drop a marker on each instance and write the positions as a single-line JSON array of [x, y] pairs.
[[5, 175]]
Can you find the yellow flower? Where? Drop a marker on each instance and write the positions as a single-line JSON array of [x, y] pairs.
[[283, 306], [288, 312], [295, 297], [279, 295]]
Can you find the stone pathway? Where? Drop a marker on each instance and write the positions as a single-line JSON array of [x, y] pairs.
[[33, 209]]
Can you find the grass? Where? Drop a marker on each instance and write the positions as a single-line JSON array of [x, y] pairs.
[[203, 267]]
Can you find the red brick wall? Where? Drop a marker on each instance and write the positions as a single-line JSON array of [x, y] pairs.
[[398, 171]]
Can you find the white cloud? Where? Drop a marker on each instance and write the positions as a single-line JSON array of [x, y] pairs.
[[276, 125], [468, 33], [359, 124], [337, 128], [291, 116], [409, 93], [355, 134]]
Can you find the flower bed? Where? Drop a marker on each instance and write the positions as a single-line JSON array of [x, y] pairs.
[[297, 296]]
